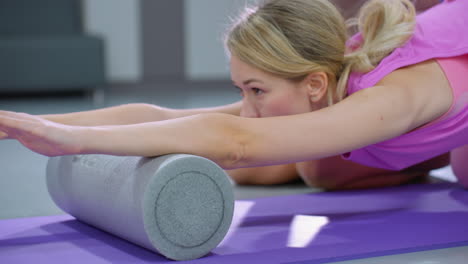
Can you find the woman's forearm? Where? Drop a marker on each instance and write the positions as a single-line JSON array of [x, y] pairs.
[[116, 115], [134, 114], [214, 136]]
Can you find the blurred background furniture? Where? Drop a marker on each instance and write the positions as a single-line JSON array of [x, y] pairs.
[[43, 48]]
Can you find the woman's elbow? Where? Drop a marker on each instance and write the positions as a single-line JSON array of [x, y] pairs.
[[233, 156], [228, 144]]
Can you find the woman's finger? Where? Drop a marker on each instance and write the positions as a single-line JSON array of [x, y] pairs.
[[14, 127], [3, 134], [37, 134], [8, 124], [17, 116], [7, 113]]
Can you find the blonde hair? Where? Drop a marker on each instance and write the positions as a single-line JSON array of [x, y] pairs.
[[293, 38]]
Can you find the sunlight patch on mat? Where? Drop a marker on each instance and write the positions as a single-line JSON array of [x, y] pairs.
[[445, 174], [304, 228]]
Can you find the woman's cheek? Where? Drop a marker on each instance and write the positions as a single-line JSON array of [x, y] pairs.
[[277, 107]]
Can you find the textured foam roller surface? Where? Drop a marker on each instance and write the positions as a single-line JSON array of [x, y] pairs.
[[180, 206]]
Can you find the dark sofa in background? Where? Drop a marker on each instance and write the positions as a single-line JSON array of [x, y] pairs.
[[43, 48]]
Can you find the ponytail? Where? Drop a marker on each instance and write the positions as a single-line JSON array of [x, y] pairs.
[[384, 25]]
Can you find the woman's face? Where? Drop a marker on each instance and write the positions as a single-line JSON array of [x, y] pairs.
[[266, 95]]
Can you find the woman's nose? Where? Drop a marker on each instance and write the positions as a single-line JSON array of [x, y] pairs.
[[248, 110]]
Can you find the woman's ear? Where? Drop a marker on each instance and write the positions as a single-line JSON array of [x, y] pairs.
[[317, 85]]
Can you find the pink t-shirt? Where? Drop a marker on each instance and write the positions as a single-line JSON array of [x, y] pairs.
[[441, 33]]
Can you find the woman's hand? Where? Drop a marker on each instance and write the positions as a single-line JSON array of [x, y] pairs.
[[38, 134]]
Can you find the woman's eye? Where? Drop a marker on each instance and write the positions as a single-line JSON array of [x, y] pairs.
[[257, 91]]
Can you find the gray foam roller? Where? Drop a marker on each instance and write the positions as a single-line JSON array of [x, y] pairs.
[[180, 206]]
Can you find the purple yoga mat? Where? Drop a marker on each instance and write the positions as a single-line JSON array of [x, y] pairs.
[[310, 228]]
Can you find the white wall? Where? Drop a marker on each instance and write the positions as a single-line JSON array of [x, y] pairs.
[[118, 22], [205, 23]]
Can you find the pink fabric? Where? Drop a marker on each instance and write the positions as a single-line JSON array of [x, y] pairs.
[[456, 71], [441, 33]]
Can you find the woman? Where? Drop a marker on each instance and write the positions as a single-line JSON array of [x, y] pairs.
[[391, 100]]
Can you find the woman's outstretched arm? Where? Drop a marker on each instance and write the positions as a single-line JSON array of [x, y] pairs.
[[128, 114], [214, 136], [133, 114]]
